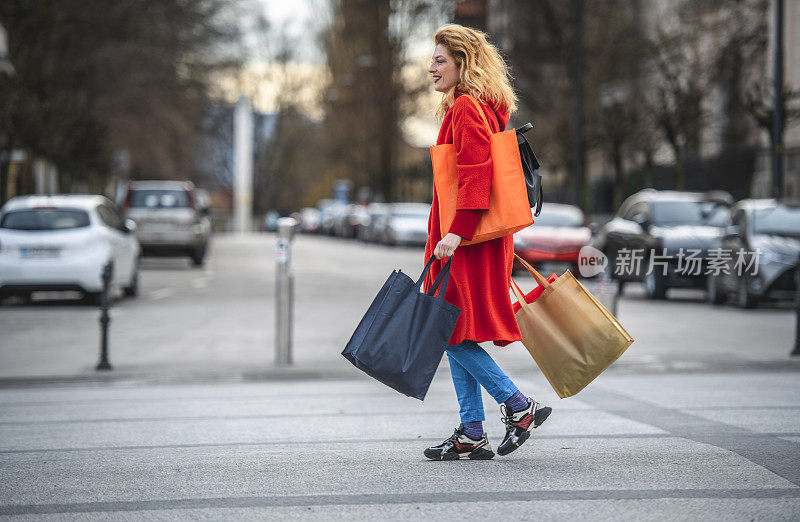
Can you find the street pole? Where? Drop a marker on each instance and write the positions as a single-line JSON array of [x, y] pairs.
[[796, 350], [108, 272], [577, 133], [243, 166], [284, 293], [777, 111]]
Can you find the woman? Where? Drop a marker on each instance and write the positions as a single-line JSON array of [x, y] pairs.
[[464, 62]]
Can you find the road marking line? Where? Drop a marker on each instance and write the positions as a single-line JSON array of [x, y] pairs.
[[161, 293]]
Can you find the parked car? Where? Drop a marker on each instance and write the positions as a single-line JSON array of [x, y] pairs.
[[407, 224], [553, 242], [332, 213], [63, 242], [771, 228], [649, 222], [375, 223], [352, 220], [271, 220], [340, 215], [203, 203], [169, 222], [203, 200], [310, 220]]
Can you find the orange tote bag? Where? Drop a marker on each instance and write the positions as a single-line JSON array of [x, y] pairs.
[[508, 201]]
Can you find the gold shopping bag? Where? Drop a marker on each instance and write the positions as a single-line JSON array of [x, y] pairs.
[[570, 335]]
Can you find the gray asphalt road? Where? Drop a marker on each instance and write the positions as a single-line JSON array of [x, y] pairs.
[[699, 420], [220, 318]]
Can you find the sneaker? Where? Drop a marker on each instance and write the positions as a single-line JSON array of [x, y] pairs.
[[520, 423], [460, 446]]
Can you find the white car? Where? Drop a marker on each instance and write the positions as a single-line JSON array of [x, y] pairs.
[[63, 242]]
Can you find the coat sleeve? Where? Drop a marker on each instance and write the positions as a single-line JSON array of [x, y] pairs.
[[473, 159], [465, 223]]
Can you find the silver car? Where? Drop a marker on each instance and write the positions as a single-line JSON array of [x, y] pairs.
[[169, 219], [407, 224], [375, 223]]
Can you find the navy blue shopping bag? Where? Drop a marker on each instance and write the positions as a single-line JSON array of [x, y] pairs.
[[402, 337]]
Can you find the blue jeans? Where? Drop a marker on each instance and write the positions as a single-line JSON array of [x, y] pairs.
[[471, 368]]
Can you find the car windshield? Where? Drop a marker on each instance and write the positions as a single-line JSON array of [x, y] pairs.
[[559, 219], [778, 221], [45, 219], [149, 198], [674, 213]]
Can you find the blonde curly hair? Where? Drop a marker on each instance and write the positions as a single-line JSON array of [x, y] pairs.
[[482, 72]]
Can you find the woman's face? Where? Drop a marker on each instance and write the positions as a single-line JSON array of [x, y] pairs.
[[444, 69]]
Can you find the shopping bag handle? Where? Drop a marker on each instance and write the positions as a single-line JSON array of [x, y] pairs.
[[518, 292], [438, 278], [425, 272], [536, 275], [444, 275]]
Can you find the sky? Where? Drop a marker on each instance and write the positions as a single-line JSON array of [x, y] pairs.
[[301, 19]]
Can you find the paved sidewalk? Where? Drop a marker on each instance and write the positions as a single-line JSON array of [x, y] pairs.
[[651, 447]]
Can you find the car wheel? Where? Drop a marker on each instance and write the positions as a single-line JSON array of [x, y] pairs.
[[713, 294], [608, 274], [744, 299], [655, 285], [198, 256], [132, 290]]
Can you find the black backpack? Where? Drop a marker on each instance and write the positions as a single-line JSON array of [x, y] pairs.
[[530, 166]]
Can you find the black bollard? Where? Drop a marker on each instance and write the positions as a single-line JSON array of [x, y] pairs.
[[796, 350], [108, 272]]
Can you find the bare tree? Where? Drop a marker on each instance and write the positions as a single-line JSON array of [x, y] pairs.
[[679, 86], [93, 77], [370, 91]]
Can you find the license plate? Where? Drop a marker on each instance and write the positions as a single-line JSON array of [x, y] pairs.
[[39, 252]]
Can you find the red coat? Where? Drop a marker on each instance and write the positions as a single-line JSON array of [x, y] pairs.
[[480, 273]]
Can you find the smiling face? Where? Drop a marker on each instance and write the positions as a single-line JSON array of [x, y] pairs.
[[443, 69]]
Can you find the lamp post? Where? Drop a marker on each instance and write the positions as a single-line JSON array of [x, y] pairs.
[[777, 109], [577, 131]]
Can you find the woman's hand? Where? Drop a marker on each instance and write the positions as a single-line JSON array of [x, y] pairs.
[[447, 246]]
